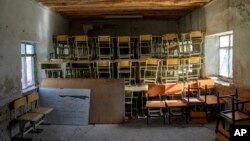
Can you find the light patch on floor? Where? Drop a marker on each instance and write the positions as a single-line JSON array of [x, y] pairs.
[[135, 130]]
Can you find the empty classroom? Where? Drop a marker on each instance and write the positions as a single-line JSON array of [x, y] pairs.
[[73, 70]]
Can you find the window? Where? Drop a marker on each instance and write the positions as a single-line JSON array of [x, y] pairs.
[[226, 56], [28, 64]]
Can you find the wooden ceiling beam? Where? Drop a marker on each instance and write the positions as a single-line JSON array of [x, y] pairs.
[[69, 2], [136, 12], [98, 8], [107, 8]]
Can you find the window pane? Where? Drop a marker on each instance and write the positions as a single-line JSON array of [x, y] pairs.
[[231, 40], [22, 48], [224, 70], [231, 63], [23, 73], [224, 41], [29, 70], [29, 49]]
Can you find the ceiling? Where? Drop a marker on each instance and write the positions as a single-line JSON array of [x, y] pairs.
[[99, 9]]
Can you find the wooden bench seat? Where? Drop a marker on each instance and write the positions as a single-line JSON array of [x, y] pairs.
[[30, 117], [23, 117], [33, 99], [42, 110]]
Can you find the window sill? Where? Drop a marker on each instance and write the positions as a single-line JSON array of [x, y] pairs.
[[222, 81], [29, 90]]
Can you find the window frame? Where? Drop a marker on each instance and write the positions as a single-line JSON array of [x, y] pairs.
[[229, 48], [34, 68]]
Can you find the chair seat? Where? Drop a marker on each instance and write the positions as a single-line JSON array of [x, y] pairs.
[[211, 100], [176, 103], [30, 117], [238, 115], [155, 104], [193, 100], [42, 110]]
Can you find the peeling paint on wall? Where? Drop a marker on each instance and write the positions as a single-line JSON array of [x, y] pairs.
[[238, 72], [243, 7]]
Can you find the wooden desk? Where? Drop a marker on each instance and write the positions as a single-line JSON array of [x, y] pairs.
[[54, 66]]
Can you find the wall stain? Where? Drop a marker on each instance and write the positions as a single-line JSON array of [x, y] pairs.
[[243, 9], [8, 85], [238, 73], [80, 97]]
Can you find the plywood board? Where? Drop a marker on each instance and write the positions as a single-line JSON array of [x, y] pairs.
[[71, 106], [107, 97]]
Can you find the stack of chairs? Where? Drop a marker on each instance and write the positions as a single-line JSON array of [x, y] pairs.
[[180, 57]]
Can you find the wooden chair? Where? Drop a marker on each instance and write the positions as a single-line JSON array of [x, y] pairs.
[[104, 47], [196, 107], [103, 69], [129, 104], [208, 95], [62, 48], [154, 104], [174, 103], [23, 117], [234, 116], [151, 70], [170, 70], [124, 70], [196, 43], [141, 67], [81, 69], [82, 47], [193, 68], [124, 50], [170, 45], [145, 45], [54, 69], [210, 85]]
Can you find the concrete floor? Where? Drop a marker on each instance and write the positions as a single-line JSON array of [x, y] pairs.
[[133, 130]]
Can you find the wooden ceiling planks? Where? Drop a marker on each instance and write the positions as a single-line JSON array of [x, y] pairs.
[[85, 9]]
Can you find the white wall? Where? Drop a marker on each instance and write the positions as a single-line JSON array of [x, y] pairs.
[[220, 16], [22, 20]]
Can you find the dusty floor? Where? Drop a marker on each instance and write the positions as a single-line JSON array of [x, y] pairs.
[[133, 130]]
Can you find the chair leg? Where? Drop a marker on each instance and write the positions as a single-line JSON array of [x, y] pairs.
[[164, 115], [217, 124], [169, 116], [147, 115], [186, 116]]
